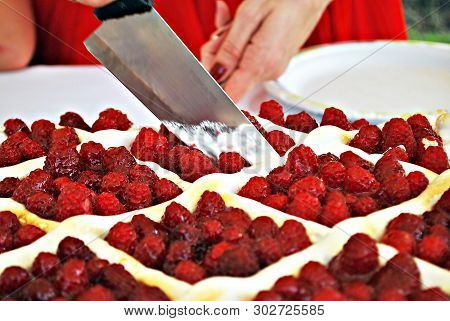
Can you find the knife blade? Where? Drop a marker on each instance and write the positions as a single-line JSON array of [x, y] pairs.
[[139, 48]]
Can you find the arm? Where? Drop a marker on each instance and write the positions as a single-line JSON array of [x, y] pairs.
[[17, 34]]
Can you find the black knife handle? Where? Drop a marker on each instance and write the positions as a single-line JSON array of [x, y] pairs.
[[121, 8]]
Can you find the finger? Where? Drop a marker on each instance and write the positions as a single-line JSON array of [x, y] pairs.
[[223, 15], [247, 19], [240, 82], [209, 50]]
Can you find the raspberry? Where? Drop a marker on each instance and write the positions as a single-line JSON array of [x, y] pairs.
[[418, 182], [39, 290], [439, 230], [41, 131], [433, 248], [171, 161], [287, 287], [257, 188], [95, 267], [114, 183], [37, 180], [194, 164], [386, 167], [391, 294], [276, 201], [63, 161], [368, 139], [358, 291], [12, 279], [357, 260], [444, 202], [209, 204], [437, 217], [397, 153], [267, 296], [166, 190], [360, 123], [401, 240], [211, 230], [96, 293], [9, 155], [144, 226], [302, 161], [410, 223], [147, 293], [268, 251], [118, 159], [45, 265], [306, 206], [325, 158], [178, 251], [66, 136], [292, 237], [149, 145], [31, 149], [332, 174], [73, 201], [254, 122], [234, 217], [431, 294], [137, 196], [111, 119], [424, 143], [7, 186], [435, 159], [71, 247], [92, 154], [395, 189], [171, 137], [71, 119], [350, 159], [15, 139], [142, 174], [398, 132], [175, 214], [123, 236], [27, 234], [9, 221], [364, 206], [15, 125], [91, 179], [189, 272], [329, 295], [59, 184], [231, 162], [317, 276], [42, 204], [399, 272], [310, 184], [187, 232], [238, 261], [233, 234], [119, 280], [6, 240], [108, 204], [301, 122], [335, 117], [273, 111], [280, 179], [335, 209], [72, 277], [280, 141], [150, 251], [419, 120], [360, 181]]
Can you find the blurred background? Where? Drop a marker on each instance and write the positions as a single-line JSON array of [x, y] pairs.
[[436, 27]]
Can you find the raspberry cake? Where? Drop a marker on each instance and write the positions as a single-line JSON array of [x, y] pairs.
[[157, 229]]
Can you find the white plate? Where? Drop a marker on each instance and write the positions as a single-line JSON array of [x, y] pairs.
[[377, 80]]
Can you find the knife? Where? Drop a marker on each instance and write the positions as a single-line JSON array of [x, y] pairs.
[[138, 47]]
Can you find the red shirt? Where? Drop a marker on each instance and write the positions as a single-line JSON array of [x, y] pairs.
[[64, 25]]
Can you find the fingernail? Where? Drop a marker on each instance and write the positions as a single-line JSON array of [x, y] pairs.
[[217, 71]]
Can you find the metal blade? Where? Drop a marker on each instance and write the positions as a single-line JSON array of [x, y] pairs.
[[153, 63]]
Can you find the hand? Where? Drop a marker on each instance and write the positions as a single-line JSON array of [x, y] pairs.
[[259, 43]]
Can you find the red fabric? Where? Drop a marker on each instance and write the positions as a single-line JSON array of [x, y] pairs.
[[64, 25]]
